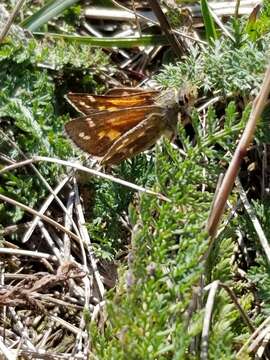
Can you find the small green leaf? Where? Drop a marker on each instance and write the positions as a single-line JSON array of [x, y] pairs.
[[49, 11], [210, 29]]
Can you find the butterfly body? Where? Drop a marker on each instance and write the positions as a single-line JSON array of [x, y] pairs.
[[124, 122]]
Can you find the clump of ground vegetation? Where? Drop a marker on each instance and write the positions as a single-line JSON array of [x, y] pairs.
[[121, 273]]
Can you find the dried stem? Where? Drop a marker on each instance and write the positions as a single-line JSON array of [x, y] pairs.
[[42, 216], [207, 319], [257, 226], [11, 19], [166, 27], [87, 170], [230, 176]]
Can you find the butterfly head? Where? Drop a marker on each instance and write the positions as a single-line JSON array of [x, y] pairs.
[[179, 99], [186, 96]]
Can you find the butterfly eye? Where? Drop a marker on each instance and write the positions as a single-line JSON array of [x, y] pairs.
[[183, 100]]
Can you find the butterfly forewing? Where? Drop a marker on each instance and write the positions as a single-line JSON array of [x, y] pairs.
[[96, 133], [87, 103], [130, 91]]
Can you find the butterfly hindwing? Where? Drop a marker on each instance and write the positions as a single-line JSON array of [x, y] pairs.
[[138, 139], [96, 133]]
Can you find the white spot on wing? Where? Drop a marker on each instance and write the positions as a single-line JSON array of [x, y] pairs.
[[83, 136]]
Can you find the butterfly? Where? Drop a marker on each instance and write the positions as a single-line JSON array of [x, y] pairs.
[[125, 121]]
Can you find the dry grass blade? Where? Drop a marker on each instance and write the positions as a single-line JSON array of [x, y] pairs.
[[44, 207], [34, 254], [25, 292], [11, 19], [50, 198], [165, 26], [208, 314], [47, 237], [145, 18], [264, 346], [264, 324], [42, 216], [87, 241], [237, 6], [258, 340], [220, 24], [102, 175], [67, 224], [257, 226], [87, 170], [9, 355], [207, 319], [21, 329]]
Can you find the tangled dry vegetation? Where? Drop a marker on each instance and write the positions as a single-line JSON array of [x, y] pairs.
[[135, 261]]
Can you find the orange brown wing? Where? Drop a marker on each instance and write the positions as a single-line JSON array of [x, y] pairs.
[[86, 103], [136, 140], [130, 91], [96, 133]]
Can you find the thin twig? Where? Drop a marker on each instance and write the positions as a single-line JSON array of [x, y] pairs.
[[239, 307], [41, 177], [220, 24], [11, 19], [34, 254], [207, 319], [87, 241], [67, 224], [237, 6], [100, 174], [43, 208], [230, 176], [255, 221], [253, 336], [166, 27], [42, 216], [184, 35]]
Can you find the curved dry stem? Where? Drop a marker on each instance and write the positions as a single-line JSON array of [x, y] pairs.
[[246, 138]]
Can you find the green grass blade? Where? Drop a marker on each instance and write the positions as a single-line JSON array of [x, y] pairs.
[[52, 9], [108, 42], [210, 29]]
